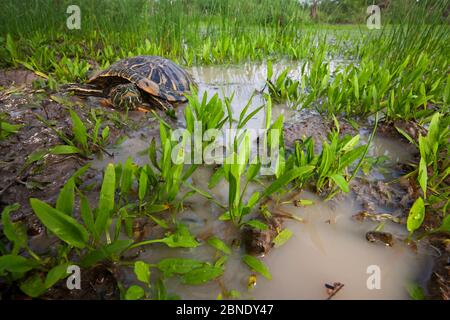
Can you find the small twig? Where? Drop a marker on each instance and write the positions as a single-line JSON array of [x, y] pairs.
[[333, 289]]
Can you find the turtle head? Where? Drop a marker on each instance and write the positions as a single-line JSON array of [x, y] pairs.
[[125, 96]]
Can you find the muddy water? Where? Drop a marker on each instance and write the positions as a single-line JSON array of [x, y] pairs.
[[328, 247]]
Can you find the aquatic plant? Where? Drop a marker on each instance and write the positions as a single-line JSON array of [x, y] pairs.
[[334, 165], [7, 129], [431, 174]]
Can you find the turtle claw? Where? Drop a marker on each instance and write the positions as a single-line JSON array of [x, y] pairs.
[[140, 109]]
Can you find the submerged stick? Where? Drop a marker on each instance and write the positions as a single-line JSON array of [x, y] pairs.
[[333, 289]]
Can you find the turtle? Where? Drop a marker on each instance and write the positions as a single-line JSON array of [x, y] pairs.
[[141, 81]]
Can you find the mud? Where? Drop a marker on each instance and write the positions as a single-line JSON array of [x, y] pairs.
[[385, 238], [312, 124], [393, 196], [260, 242], [412, 128], [439, 284]]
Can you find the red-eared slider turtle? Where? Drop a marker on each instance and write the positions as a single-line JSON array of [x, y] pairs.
[[140, 81]]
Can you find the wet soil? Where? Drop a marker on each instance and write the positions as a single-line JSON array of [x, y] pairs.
[[439, 284], [311, 125]]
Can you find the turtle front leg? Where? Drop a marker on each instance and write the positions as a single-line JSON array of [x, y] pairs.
[[164, 105]]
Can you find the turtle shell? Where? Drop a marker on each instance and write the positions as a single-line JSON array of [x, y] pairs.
[[155, 75]]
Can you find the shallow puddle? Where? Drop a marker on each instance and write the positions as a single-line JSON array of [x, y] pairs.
[[328, 247]]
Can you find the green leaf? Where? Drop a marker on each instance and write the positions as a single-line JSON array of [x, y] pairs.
[[15, 232], [16, 264], [11, 48], [201, 192], [415, 291], [325, 160], [287, 177], [350, 144], [63, 226], [219, 245], [106, 201], [182, 238], [159, 222], [33, 287], [134, 293], [154, 208], [79, 130], [66, 197], [282, 237], [105, 252], [445, 227], [257, 265], [416, 215], [251, 115], [81, 171], [202, 275], [105, 133], [127, 177], [221, 261], [341, 182], [423, 176], [143, 183], [269, 70], [142, 271], [171, 266], [6, 129], [216, 177], [64, 149], [304, 202], [152, 154], [433, 129], [350, 157], [86, 215], [257, 224], [55, 274], [407, 136], [253, 200], [36, 156], [225, 216], [253, 170]]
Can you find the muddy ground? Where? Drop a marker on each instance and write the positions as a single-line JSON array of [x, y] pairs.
[[22, 179]]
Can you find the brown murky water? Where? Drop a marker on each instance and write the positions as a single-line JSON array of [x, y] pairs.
[[328, 247]]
